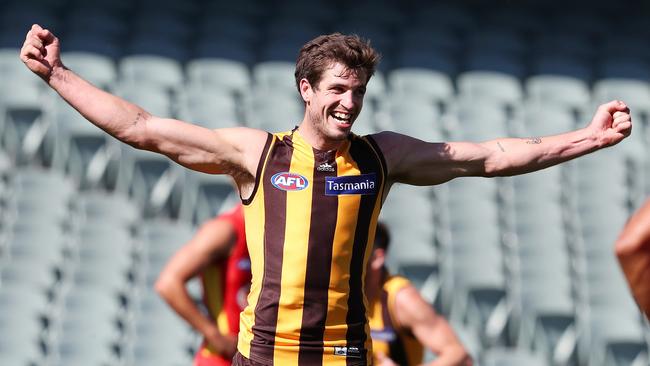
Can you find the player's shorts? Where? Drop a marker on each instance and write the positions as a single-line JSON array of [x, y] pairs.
[[240, 360]]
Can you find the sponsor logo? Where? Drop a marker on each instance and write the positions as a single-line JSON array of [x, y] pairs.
[[353, 352], [288, 181], [242, 296], [244, 264], [385, 335], [351, 184], [325, 167]]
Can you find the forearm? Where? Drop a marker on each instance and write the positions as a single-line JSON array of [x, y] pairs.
[[118, 117], [512, 156], [178, 299]]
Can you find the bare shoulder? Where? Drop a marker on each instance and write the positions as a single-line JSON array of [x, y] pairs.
[[411, 308]]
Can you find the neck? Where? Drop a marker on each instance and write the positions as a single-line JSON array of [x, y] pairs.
[[316, 139]]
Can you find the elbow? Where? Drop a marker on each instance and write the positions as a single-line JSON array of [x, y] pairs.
[[463, 357], [138, 134], [626, 247], [163, 287]]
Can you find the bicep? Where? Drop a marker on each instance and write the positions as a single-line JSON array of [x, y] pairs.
[[220, 151], [417, 162]]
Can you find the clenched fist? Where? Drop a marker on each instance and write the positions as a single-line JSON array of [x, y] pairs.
[[612, 122], [40, 52]]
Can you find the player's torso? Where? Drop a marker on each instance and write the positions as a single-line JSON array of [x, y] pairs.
[[309, 223]]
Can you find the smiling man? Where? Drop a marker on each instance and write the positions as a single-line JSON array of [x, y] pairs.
[[312, 195]]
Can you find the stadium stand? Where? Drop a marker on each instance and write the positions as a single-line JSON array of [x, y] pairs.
[[523, 266]]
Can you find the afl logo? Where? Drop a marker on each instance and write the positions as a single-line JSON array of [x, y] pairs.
[[287, 181]]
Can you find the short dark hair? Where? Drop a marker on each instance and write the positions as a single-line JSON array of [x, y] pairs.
[[382, 237], [319, 53]]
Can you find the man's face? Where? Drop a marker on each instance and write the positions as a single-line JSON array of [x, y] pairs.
[[336, 101]]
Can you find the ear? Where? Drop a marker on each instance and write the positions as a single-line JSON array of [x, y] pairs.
[[306, 90], [378, 259]]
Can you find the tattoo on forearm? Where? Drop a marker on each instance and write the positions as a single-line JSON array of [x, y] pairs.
[[138, 118], [534, 141], [501, 147]]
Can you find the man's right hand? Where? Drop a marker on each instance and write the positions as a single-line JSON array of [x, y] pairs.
[[40, 52]]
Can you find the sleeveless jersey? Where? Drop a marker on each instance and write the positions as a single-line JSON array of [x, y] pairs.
[[226, 283], [310, 224], [387, 337]]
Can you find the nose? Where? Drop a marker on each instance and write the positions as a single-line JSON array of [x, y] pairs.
[[348, 100]]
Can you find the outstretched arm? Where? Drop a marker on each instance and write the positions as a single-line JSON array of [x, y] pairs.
[[413, 161], [212, 242], [633, 252], [413, 313], [211, 151]]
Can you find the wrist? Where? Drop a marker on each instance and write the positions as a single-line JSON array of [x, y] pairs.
[[58, 76]]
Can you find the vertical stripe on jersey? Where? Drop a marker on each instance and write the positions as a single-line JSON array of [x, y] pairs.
[[319, 258], [275, 205], [292, 299], [356, 318], [213, 278], [397, 352]]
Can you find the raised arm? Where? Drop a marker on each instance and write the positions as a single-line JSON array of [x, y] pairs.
[[213, 241], [231, 151], [633, 252], [413, 161], [430, 329]]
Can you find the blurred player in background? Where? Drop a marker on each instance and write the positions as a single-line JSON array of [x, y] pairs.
[[402, 323], [633, 252], [218, 254]]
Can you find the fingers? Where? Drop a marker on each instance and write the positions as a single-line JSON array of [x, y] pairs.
[[620, 117], [614, 106], [624, 128]]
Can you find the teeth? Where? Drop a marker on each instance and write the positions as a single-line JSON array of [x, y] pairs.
[[341, 116]]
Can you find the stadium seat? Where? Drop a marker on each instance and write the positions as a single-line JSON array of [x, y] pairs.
[[204, 196], [111, 209], [479, 119], [221, 74], [425, 83], [97, 69], [158, 71], [488, 84], [210, 108], [624, 67], [446, 13], [428, 59], [549, 89], [24, 121], [564, 42], [275, 75], [416, 116], [430, 36], [152, 98], [497, 38], [275, 112], [547, 120], [512, 357], [149, 179]]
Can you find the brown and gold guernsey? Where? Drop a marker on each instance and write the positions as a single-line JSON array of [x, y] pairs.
[[387, 336], [310, 224]]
